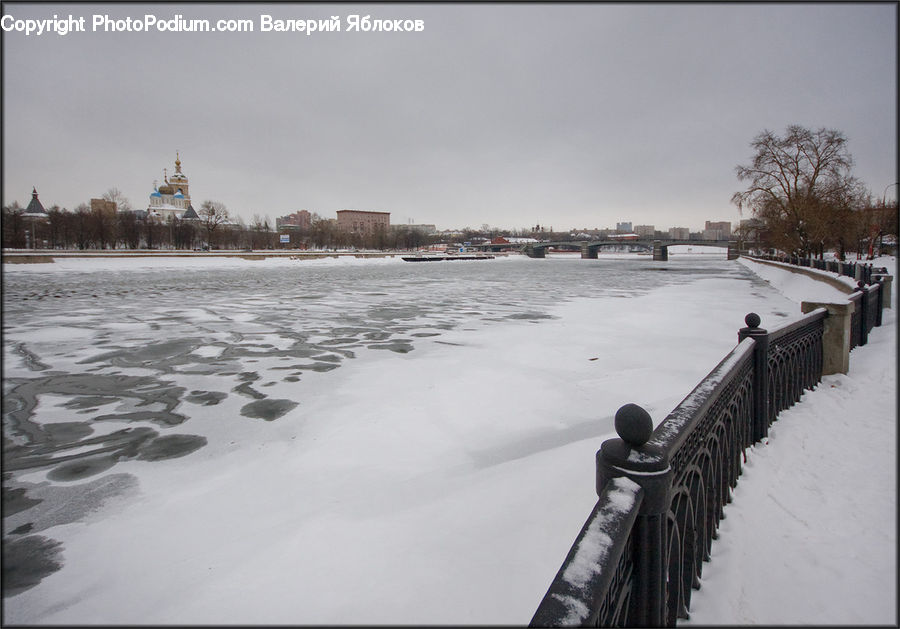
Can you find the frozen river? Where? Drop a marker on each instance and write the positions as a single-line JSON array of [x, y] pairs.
[[337, 441]]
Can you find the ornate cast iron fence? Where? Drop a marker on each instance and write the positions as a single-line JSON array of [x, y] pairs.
[[662, 491], [858, 271], [867, 298], [867, 303]]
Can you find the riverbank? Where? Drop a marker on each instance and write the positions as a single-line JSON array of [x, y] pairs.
[[50, 255], [811, 536]]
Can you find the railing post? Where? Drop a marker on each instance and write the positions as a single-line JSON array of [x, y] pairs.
[[863, 313], [835, 337], [760, 374], [879, 301], [885, 281], [649, 469]]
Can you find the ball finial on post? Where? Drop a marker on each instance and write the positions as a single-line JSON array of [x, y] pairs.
[[752, 320], [633, 425]]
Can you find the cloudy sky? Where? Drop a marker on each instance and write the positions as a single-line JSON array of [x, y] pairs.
[[511, 115]]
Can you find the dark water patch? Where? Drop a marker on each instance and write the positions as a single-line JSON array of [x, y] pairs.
[[80, 468], [340, 341], [378, 336], [205, 398], [268, 410], [26, 561], [249, 376], [321, 367], [85, 390], [425, 334], [170, 447], [401, 347], [53, 505], [164, 419], [392, 313], [67, 432], [15, 500], [329, 358], [162, 356], [119, 444], [291, 379], [530, 316], [32, 362], [90, 402], [249, 391], [267, 384], [349, 333]]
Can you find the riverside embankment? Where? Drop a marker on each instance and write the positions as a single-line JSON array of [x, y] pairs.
[[811, 536]]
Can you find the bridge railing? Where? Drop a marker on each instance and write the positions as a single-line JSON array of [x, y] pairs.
[[662, 491]]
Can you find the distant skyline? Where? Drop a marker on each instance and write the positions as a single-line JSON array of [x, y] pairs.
[[511, 115]]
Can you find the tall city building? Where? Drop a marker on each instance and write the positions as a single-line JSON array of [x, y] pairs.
[[359, 222], [719, 230]]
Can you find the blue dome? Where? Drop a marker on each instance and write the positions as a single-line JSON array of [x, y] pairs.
[[178, 195], [155, 193]]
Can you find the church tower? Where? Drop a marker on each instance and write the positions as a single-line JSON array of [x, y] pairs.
[[179, 182]]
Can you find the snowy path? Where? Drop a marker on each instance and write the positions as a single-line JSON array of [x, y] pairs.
[[811, 535]]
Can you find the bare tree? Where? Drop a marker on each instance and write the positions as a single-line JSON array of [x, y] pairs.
[[129, 229], [115, 195], [82, 226], [212, 214], [800, 186], [103, 226], [13, 226]]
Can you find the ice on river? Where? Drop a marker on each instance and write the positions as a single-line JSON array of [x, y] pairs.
[[330, 441]]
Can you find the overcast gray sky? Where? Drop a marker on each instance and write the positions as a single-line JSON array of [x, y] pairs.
[[567, 115]]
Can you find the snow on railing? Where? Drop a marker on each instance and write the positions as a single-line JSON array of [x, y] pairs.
[[662, 491]]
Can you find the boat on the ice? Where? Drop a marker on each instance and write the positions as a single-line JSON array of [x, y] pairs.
[[438, 257]]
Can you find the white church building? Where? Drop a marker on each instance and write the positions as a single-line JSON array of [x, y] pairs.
[[173, 198]]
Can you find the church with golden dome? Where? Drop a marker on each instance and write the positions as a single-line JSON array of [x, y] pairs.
[[173, 198]]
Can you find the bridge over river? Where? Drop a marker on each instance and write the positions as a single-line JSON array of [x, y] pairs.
[[590, 248]]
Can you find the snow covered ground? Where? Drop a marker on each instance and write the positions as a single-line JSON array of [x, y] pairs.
[[811, 537], [442, 482]]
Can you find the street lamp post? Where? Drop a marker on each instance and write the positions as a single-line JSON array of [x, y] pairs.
[[884, 194]]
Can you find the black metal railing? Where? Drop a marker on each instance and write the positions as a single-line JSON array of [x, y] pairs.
[[867, 298], [662, 491], [868, 302], [861, 271]]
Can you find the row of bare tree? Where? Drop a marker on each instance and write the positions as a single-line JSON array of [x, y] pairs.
[[87, 228], [99, 228], [805, 198]]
